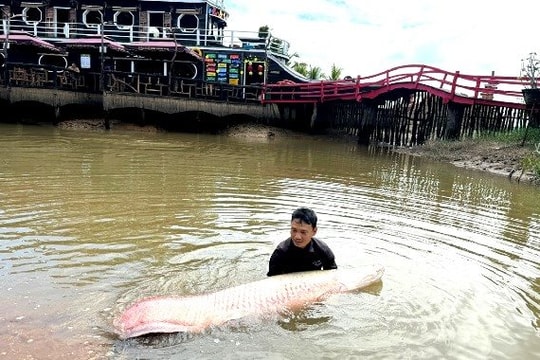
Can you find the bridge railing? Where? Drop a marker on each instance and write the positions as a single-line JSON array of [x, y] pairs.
[[451, 86]]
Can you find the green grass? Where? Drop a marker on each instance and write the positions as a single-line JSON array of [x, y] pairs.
[[532, 137], [531, 162]]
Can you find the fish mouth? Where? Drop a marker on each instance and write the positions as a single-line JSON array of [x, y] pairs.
[[155, 327]]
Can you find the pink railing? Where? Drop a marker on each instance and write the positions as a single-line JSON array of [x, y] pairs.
[[450, 86]]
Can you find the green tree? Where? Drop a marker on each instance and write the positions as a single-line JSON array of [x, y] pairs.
[[315, 73], [335, 73], [301, 68]]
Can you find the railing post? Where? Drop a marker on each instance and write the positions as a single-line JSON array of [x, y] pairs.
[[454, 83], [102, 57], [419, 75], [6, 44], [7, 26], [476, 87]]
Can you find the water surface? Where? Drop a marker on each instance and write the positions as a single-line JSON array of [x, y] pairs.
[[91, 221]]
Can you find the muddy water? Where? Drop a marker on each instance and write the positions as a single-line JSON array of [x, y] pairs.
[[91, 221]]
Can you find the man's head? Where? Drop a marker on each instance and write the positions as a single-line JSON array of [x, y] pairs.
[[303, 226]]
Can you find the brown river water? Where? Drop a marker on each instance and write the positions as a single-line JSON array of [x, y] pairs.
[[92, 220]]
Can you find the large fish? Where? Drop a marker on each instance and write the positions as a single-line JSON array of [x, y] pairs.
[[169, 314]]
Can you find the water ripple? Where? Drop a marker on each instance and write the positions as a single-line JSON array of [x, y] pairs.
[[132, 215]]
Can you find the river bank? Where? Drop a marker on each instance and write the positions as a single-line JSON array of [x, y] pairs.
[[483, 155]]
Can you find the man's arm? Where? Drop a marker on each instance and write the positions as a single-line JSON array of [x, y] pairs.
[[329, 260], [275, 266], [330, 264]]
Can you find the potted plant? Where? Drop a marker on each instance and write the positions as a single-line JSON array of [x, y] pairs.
[[264, 31], [530, 74]]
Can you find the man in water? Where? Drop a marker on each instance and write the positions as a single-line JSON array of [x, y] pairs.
[[301, 251]]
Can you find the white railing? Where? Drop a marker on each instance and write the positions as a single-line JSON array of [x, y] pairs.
[[125, 34]]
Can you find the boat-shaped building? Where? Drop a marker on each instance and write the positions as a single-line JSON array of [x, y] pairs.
[[187, 40]]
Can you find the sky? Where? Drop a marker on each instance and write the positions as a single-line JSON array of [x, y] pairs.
[[364, 37]]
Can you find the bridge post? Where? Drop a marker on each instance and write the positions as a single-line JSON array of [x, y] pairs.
[[314, 117], [107, 120], [366, 123], [454, 120]]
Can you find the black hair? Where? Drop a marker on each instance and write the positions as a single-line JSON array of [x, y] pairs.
[[305, 215]]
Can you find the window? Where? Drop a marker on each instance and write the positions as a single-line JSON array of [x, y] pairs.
[[53, 60], [187, 22], [124, 19], [32, 15], [92, 18]]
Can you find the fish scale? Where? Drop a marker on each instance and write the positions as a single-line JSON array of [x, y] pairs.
[[166, 314]]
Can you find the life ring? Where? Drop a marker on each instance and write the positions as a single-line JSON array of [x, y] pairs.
[[197, 51]]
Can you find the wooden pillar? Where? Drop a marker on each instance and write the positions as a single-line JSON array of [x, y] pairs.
[[107, 121], [313, 117], [367, 121], [143, 116], [454, 120]]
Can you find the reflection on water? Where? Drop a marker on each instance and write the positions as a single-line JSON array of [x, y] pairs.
[[91, 221]]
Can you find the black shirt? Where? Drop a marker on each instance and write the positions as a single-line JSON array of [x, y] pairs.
[[288, 258]]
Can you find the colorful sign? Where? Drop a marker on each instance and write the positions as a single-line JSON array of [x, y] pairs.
[[222, 68], [219, 13]]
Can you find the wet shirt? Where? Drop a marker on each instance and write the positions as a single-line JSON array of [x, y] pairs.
[[288, 258]]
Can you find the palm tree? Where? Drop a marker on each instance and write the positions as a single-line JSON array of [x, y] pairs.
[[335, 73], [301, 68], [315, 73]]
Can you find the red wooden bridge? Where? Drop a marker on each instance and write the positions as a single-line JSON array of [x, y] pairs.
[[405, 105], [504, 91]]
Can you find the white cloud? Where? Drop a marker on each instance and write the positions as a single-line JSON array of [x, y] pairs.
[[364, 37]]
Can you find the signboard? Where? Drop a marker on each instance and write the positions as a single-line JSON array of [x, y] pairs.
[[222, 68], [85, 61]]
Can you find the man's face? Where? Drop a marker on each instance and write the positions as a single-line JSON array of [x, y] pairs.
[[301, 233]]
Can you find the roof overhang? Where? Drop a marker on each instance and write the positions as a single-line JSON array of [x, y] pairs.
[[95, 42], [162, 46], [25, 39]]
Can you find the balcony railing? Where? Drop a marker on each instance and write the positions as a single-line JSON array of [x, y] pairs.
[[58, 32]]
